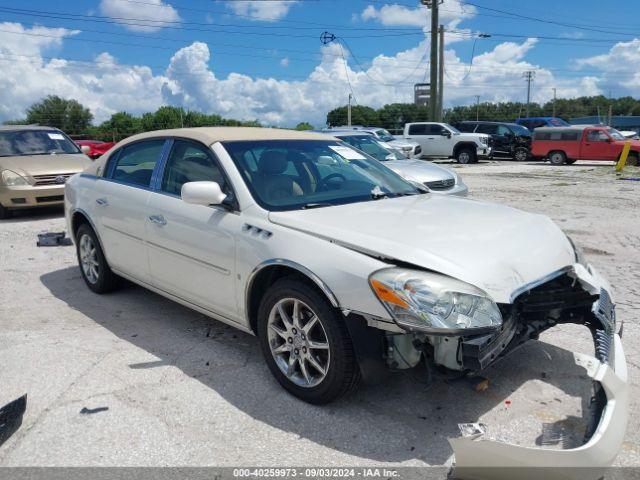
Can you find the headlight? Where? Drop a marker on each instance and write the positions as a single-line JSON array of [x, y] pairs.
[[433, 303], [12, 179]]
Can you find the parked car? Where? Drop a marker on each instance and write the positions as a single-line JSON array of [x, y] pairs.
[[94, 148], [534, 122], [436, 178], [343, 269], [581, 142], [410, 149], [35, 162], [507, 139], [445, 141]]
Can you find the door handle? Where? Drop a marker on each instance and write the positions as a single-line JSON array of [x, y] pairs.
[[102, 202], [158, 220]]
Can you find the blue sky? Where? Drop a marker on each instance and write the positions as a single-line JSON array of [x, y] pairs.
[[264, 59]]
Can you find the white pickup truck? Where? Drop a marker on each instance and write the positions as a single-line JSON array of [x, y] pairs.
[[443, 140]]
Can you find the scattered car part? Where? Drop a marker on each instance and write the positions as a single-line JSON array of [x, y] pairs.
[[53, 239], [11, 417]]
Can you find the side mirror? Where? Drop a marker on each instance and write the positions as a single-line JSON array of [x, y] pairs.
[[86, 149], [446, 133], [202, 193]]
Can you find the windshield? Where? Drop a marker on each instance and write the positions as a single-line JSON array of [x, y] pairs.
[[558, 122], [453, 129], [520, 130], [35, 142], [615, 134], [299, 174], [368, 145], [384, 135]]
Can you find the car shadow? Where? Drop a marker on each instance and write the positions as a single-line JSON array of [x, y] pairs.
[[31, 214], [397, 420]]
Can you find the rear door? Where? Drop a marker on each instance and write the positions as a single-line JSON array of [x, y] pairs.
[[596, 145], [418, 133], [121, 202], [192, 247]]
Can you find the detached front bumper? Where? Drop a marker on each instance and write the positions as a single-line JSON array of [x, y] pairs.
[[480, 459]]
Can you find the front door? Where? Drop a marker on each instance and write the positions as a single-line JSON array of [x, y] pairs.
[[596, 146], [192, 247], [121, 203]]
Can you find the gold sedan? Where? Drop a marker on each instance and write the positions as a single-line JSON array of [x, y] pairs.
[[35, 163]]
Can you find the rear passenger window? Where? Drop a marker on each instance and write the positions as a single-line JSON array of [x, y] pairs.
[[571, 136], [190, 162], [418, 129], [136, 162]]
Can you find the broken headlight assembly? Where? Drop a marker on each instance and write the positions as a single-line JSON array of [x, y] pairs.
[[433, 303]]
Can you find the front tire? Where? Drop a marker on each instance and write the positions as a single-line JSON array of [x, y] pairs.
[[465, 156], [521, 155], [557, 158], [632, 161], [305, 342], [93, 264], [5, 213]]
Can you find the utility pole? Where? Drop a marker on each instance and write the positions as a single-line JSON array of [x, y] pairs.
[[554, 101], [529, 75], [349, 111], [477, 107], [433, 63], [440, 73]]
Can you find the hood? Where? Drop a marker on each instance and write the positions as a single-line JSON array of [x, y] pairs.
[[30, 165], [400, 142], [419, 170], [494, 247]]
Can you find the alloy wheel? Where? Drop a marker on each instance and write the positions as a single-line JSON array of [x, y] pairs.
[[298, 342], [89, 259]]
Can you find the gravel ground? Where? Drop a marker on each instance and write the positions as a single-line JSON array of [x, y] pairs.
[[182, 389]]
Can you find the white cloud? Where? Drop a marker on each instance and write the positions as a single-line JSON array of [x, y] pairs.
[[190, 80], [267, 11], [151, 16], [284, 62], [105, 87], [620, 67], [400, 15]]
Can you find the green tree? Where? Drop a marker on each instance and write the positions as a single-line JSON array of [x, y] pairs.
[[360, 115], [119, 126], [67, 115], [304, 126]]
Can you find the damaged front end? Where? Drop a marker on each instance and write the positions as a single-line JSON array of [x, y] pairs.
[[576, 295]]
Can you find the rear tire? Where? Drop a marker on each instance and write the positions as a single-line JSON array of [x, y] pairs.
[[93, 265], [5, 213], [465, 156], [557, 158], [294, 346]]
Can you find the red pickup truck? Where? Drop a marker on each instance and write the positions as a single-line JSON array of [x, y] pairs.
[[581, 142]]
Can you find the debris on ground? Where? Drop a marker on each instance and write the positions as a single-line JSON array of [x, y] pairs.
[[53, 239], [11, 417], [89, 411], [479, 384], [472, 430]]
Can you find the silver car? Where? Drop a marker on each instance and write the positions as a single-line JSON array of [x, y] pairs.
[[436, 178], [409, 148]]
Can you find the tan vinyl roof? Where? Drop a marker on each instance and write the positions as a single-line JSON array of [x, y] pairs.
[[209, 135]]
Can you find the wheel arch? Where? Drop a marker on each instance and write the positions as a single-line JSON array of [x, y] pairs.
[[268, 272], [464, 144], [80, 217]]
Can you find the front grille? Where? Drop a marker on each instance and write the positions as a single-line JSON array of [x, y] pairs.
[[604, 310], [445, 184], [53, 198], [57, 179], [562, 292]]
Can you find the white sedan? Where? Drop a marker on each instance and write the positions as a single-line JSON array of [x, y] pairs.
[[342, 268]]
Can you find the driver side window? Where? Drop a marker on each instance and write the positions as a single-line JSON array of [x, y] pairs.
[[190, 162], [597, 136]]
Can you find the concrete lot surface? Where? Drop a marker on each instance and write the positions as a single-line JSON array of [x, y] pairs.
[[182, 389]]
